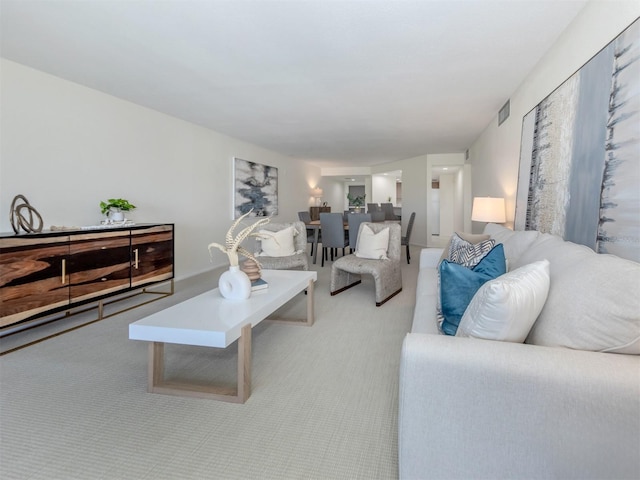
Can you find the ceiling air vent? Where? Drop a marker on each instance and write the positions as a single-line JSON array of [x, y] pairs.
[[503, 114]]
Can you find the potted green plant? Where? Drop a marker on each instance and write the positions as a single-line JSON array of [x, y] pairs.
[[114, 207], [357, 201]]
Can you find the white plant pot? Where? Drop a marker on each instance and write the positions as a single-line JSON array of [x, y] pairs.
[[117, 216], [234, 284]]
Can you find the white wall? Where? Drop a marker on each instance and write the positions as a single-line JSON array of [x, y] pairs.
[[414, 194], [67, 147], [495, 154], [383, 187]]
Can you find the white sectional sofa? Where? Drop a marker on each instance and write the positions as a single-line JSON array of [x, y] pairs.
[[556, 406]]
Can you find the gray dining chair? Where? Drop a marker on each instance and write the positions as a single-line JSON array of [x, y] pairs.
[[346, 272], [305, 217], [333, 234], [298, 261], [373, 207], [378, 216], [355, 219], [407, 238], [389, 214]]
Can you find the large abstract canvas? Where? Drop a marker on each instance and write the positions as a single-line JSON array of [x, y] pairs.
[[580, 154], [256, 188]]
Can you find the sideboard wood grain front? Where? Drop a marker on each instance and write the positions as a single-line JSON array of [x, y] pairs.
[[51, 272]]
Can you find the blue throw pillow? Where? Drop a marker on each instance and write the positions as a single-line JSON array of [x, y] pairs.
[[459, 284]]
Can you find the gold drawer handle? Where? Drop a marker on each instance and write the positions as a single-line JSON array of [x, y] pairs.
[[64, 271], [135, 264]]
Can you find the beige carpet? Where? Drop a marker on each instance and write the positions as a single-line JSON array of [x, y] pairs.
[[323, 402]]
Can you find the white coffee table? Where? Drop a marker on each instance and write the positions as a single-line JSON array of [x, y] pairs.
[[212, 321]]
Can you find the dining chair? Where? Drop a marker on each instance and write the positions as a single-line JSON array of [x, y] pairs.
[[333, 234], [305, 217], [347, 271], [298, 261], [407, 238], [389, 214], [355, 219], [378, 216], [373, 207]]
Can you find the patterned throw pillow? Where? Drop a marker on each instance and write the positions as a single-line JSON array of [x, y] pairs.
[[467, 254]]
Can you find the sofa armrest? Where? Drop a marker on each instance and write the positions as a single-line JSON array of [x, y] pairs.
[[473, 408], [429, 257]]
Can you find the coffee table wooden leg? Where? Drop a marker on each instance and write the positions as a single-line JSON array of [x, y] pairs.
[[307, 322], [240, 394], [244, 364], [156, 365], [310, 303]]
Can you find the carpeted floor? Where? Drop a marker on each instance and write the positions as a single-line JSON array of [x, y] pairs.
[[323, 402]]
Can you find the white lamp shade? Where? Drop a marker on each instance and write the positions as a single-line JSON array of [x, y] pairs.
[[316, 192], [488, 209]]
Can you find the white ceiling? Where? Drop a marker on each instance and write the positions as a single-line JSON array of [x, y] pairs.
[[335, 82]]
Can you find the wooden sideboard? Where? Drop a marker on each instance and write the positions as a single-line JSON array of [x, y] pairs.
[[316, 211], [49, 272]]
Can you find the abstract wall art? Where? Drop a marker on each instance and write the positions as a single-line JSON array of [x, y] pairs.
[[580, 154], [256, 187]]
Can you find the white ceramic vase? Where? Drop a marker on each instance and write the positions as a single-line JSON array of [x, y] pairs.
[[234, 284]]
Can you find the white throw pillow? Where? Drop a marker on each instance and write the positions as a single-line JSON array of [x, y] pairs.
[[277, 244], [372, 245], [506, 308]]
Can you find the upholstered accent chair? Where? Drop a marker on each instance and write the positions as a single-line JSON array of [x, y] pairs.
[[346, 271], [373, 207], [298, 261], [407, 238]]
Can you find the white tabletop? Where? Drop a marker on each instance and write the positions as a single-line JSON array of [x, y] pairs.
[[212, 321]]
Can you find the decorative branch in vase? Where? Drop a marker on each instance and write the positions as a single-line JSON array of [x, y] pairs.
[[234, 283]]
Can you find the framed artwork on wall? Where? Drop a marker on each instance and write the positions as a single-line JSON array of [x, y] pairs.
[[579, 172], [255, 187]]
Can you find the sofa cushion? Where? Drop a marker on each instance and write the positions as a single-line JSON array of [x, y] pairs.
[[593, 302], [515, 242], [372, 245], [459, 284], [277, 244], [505, 309]]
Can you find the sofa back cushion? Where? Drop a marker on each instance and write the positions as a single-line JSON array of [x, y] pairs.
[[515, 243], [593, 302]]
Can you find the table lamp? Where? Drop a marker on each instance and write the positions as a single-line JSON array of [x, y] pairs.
[[488, 209]]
